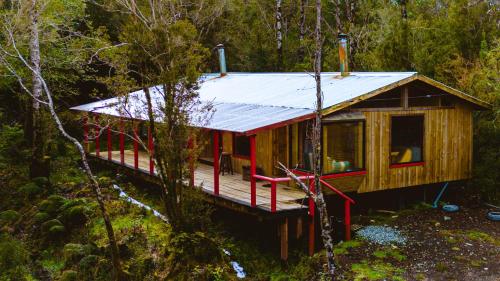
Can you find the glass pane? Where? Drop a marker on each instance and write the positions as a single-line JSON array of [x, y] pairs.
[[343, 147], [242, 146], [407, 138]]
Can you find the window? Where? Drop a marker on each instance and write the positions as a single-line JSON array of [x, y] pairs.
[[407, 138], [343, 147], [305, 148], [241, 146]]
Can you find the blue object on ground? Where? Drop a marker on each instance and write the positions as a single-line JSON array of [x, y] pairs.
[[494, 216], [450, 208], [435, 205]]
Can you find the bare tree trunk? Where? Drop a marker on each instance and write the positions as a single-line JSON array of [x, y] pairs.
[[338, 21], [40, 88], [168, 184], [302, 29], [38, 167], [279, 35], [326, 229], [115, 256]]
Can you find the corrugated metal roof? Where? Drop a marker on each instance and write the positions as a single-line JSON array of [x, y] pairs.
[[248, 101]]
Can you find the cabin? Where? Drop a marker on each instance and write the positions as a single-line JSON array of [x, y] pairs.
[[381, 131]]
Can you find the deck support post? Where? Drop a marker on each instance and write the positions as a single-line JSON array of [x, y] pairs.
[[299, 228], [151, 152], [312, 221], [97, 131], [86, 133], [347, 220], [110, 144], [122, 142], [216, 162], [253, 171], [284, 238], [273, 196], [136, 148]]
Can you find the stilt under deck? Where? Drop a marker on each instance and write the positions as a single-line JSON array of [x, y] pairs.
[[231, 187]]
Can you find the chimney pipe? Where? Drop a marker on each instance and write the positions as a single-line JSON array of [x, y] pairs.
[[222, 60], [344, 63]]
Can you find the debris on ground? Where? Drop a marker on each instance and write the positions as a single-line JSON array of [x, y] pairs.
[[382, 235]]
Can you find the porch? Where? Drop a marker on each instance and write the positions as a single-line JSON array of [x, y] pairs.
[[231, 187]]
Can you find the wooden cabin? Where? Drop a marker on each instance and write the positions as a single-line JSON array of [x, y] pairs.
[[381, 130]]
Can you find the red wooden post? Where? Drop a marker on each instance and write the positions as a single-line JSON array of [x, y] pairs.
[[122, 143], [86, 133], [253, 171], [136, 148], [312, 208], [347, 220], [216, 162], [97, 130], [151, 152], [110, 144], [273, 196]]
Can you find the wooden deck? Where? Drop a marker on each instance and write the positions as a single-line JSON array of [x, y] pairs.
[[231, 187]]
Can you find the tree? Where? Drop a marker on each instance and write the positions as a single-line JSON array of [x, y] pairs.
[[318, 197], [279, 35], [15, 63], [162, 57]]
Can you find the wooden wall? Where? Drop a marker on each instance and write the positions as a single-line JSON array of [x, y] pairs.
[[447, 149]]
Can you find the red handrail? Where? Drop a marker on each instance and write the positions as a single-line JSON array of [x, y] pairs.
[[337, 191]]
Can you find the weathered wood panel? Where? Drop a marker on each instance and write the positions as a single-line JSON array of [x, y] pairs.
[[447, 150]]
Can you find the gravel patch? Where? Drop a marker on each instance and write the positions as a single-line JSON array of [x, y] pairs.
[[382, 235]]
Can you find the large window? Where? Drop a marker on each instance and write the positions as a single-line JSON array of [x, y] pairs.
[[343, 147], [241, 146], [407, 138]]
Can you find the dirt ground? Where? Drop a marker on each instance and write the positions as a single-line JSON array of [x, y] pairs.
[[440, 246]]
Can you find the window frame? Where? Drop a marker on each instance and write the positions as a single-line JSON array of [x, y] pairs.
[[235, 154], [363, 121], [421, 162]]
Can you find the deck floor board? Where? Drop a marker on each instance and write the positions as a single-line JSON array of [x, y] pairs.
[[231, 187]]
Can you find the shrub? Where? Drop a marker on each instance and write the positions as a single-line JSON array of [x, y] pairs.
[[52, 204], [41, 181], [40, 217], [75, 215], [13, 259], [69, 275], [9, 217], [73, 253], [46, 226], [30, 190]]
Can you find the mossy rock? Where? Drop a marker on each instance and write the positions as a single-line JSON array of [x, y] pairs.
[[57, 231], [30, 190], [73, 253], [69, 275], [52, 204], [75, 215], [41, 217], [9, 217], [88, 263], [46, 226]]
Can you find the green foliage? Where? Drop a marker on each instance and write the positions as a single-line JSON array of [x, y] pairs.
[[343, 247], [9, 217], [73, 253], [30, 190], [14, 259], [389, 253], [52, 204], [375, 271], [11, 145], [46, 226], [69, 275]]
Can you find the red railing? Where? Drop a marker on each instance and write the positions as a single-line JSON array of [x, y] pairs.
[[274, 182]]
